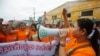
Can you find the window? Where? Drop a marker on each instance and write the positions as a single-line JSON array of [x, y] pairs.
[[69, 15], [54, 17], [87, 13]]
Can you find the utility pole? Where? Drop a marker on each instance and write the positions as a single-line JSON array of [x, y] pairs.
[[34, 13]]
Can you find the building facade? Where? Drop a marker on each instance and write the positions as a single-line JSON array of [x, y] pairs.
[[75, 10]]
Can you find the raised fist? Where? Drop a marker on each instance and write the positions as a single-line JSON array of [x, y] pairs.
[[64, 12]]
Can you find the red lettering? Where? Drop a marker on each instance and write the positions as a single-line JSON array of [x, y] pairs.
[[1, 50]]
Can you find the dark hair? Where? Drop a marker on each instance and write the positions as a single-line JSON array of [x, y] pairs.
[[49, 25], [21, 23], [60, 23], [88, 25], [33, 25], [97, 23], [1, 19]]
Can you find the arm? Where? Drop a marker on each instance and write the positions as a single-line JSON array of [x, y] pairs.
[[66, 24], [44, 19], [62, 51], [62, 34]]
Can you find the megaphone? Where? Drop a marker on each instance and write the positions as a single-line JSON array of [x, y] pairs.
[[44, 32]]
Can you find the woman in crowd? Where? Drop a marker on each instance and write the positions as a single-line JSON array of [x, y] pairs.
[[3, 33], [49, 38], [33, 33], [22, 33], [10, 36], [79, 44]]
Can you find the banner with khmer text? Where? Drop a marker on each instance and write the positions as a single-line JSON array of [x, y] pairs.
[[27, 48]]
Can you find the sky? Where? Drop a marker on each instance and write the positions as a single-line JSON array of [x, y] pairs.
[[23, 9]]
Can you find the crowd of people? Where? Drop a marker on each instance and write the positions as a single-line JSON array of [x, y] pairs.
[[21, 32], [8, 33], [83, 35]]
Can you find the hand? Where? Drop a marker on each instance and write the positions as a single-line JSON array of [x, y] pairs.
[[63, 33], [64, 12], [45, 15]]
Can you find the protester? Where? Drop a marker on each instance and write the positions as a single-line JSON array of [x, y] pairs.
[[22, 32], [61, 26], [98, 27], [3, 33], [33, 33], [79, 44], [10, 36]]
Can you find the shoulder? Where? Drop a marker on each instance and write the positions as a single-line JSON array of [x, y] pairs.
[[87, 51]]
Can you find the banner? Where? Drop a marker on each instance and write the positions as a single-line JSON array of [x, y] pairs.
[[27, 48]]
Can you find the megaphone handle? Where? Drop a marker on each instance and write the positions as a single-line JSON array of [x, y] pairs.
[[39, 39], [38, 34]]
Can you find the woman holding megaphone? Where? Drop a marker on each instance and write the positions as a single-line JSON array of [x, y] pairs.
[[80, 44]]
